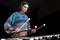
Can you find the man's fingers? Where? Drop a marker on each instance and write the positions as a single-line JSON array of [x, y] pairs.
[[17, 29], [34, 30], [11, 28]]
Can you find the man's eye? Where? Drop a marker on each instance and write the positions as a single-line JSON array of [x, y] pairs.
[[25, 7]]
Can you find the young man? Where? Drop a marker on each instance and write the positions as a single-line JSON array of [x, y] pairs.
[[18, 22]]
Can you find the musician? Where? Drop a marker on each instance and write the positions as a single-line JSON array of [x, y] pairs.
[[16, 20]]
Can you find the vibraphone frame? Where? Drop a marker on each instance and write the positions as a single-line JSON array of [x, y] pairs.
[[34, 38]]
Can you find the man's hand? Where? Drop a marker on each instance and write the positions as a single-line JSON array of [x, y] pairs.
[[17, 30], [11, 28], [33, 30]]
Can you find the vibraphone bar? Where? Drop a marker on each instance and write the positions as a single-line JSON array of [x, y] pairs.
[[46, 37]]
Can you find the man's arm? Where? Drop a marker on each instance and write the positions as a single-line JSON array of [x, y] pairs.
[[8, 25]]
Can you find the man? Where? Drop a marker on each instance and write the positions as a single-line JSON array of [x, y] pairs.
[[14, 23]]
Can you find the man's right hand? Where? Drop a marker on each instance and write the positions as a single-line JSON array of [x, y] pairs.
[[11, 29], [17, 30]]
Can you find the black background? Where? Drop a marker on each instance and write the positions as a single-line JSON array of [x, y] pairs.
[[40, 11]]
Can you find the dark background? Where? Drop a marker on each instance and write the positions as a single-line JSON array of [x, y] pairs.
[[40, 11]]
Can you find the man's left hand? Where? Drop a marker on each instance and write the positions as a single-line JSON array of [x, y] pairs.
[[33, 30]]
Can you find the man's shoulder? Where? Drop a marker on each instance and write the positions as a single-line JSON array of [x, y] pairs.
[[15, 13]]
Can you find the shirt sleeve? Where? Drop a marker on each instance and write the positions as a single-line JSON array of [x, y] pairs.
[[10, 21]]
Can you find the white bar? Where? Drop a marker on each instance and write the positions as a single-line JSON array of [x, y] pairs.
[[2, 39], [20, 39], [36, 37], [55, 35], [40, 37], [31, 38]]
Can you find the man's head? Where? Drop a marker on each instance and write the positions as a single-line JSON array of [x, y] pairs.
[[24, 6]]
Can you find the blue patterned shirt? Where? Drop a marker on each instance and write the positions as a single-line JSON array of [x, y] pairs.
[[16, 20]]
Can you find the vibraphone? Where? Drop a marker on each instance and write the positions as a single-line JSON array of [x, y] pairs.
[[46, 37]]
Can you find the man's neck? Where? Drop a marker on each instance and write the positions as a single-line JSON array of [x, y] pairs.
[[21, 11]]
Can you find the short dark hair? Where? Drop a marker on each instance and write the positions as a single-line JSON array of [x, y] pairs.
[[23, 3]]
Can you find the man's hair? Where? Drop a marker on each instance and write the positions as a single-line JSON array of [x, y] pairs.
[[23, 3]]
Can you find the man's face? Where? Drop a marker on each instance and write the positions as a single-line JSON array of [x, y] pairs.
[[25, 8]]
